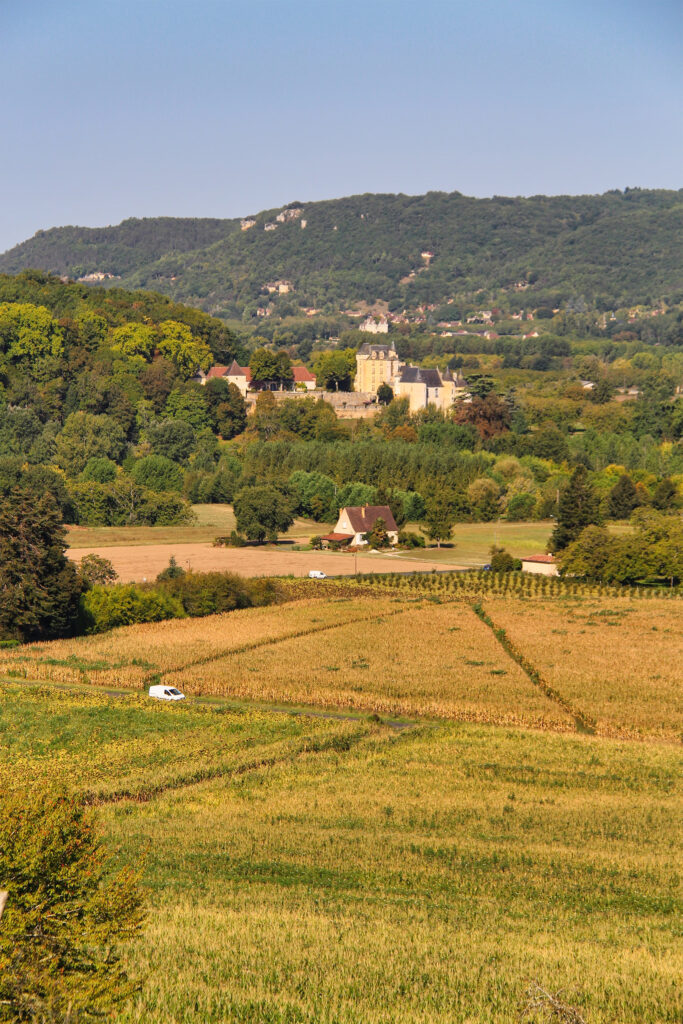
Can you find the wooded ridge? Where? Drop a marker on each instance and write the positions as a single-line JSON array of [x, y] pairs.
[[612, 250]]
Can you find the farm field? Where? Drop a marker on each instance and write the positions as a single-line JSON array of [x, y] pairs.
[[192, 545], [620, 660], [405, 660], [211, 521], [139, 562], [471, 543], [304, 870], [413, 654]]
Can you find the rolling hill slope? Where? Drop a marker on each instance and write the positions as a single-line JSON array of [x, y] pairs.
[[615, 249]]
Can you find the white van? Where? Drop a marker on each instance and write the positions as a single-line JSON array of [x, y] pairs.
[[317, 574], [166, 693]]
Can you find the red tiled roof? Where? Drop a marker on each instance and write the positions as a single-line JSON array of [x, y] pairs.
[[363, 518], [301, 374], [546, 559], [338, 537], [217, 371]]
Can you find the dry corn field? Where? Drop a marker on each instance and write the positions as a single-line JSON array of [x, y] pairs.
[[621, 661], [129, 655], [616, 661], [438, 661]]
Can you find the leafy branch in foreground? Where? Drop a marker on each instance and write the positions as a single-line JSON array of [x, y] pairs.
[[65, 914]]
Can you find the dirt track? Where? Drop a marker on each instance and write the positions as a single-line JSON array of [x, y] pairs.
[[136, 563]]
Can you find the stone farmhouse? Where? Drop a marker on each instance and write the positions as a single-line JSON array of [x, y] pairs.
[[540, 565], [357, 520]]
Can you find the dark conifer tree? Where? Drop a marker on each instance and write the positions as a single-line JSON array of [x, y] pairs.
[[579, 507], [623, 498], [39, 586]]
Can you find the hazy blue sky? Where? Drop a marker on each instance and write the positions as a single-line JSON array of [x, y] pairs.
[[118, 108]]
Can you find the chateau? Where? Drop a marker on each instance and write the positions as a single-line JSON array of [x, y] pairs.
[[380, 364]]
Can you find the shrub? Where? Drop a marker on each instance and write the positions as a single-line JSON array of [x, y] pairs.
[[172, 571], [94, 569], [233, 540], [65, 914], [104, 608], [211, 592], [411, 540]]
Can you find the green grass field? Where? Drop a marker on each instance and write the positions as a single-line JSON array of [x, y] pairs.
[[471, 543], [301, 870], [211, 521]]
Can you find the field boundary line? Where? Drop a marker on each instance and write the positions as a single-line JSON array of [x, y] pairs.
[[584, 723], [266, 641], [308, 745]]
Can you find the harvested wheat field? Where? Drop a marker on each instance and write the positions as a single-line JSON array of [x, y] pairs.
[[436, 661], [620, 661], [136, 563]]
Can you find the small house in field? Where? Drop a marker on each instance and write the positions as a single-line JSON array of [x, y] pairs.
[[357, 520], [542, 565]]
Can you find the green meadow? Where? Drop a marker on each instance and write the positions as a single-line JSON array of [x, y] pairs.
[[301, 869]]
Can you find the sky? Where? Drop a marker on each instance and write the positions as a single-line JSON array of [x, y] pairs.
[[221, 108]]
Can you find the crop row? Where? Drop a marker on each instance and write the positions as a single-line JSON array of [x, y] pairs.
[[517, 584]]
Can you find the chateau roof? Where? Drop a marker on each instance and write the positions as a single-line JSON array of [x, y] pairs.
[[384, 351], [416, 375], [544, 559]]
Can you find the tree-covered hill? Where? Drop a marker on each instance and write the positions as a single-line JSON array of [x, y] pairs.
[[616, 249]]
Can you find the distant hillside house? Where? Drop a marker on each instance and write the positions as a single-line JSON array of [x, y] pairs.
[[304, 380], [375, 325], [282, 287], [357, 520], [541, 565], [289, 213], [428, 387], [375, 365]]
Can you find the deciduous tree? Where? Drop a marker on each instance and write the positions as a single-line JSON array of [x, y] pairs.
[[66, 914]]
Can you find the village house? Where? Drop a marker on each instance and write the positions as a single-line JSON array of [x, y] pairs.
[[541, 565], [281, 287], [240, 376], [375, 325], [356, 521], [235, 374]]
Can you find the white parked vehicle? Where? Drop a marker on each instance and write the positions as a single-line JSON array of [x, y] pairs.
[[317, 574], [166, 693]]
